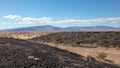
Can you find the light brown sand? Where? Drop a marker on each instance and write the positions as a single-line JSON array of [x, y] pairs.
[[113, 54]]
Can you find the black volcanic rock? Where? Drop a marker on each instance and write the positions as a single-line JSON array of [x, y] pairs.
[[15, 53]]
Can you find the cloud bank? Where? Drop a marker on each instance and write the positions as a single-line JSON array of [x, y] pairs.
[[97, 20], [47, 20]]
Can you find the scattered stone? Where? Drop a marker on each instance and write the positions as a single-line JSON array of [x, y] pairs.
[[36, 58], [30, 57]]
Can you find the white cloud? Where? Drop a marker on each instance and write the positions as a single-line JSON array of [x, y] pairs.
[[97, 20], [16, 17], [79, 21], [113, 19], [37, 20]]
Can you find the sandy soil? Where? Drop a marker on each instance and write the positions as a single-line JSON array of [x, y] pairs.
[[22, 35], [113, 54]]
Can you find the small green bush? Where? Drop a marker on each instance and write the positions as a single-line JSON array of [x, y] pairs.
[[101, 55], [118, 44]]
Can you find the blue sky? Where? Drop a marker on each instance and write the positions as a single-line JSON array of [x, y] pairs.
[[62, 13]]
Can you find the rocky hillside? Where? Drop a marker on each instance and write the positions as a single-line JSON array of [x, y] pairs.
[[16, 53], [106, 39]]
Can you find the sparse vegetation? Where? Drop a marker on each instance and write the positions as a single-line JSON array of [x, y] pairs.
[[101, 55], [104, 39]]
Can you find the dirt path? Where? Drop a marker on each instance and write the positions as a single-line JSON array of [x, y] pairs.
[[113, 55]]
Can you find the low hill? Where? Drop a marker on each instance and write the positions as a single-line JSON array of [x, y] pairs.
[[105, 39]]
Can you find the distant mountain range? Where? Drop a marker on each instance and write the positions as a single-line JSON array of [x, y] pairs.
[[48, 28]]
